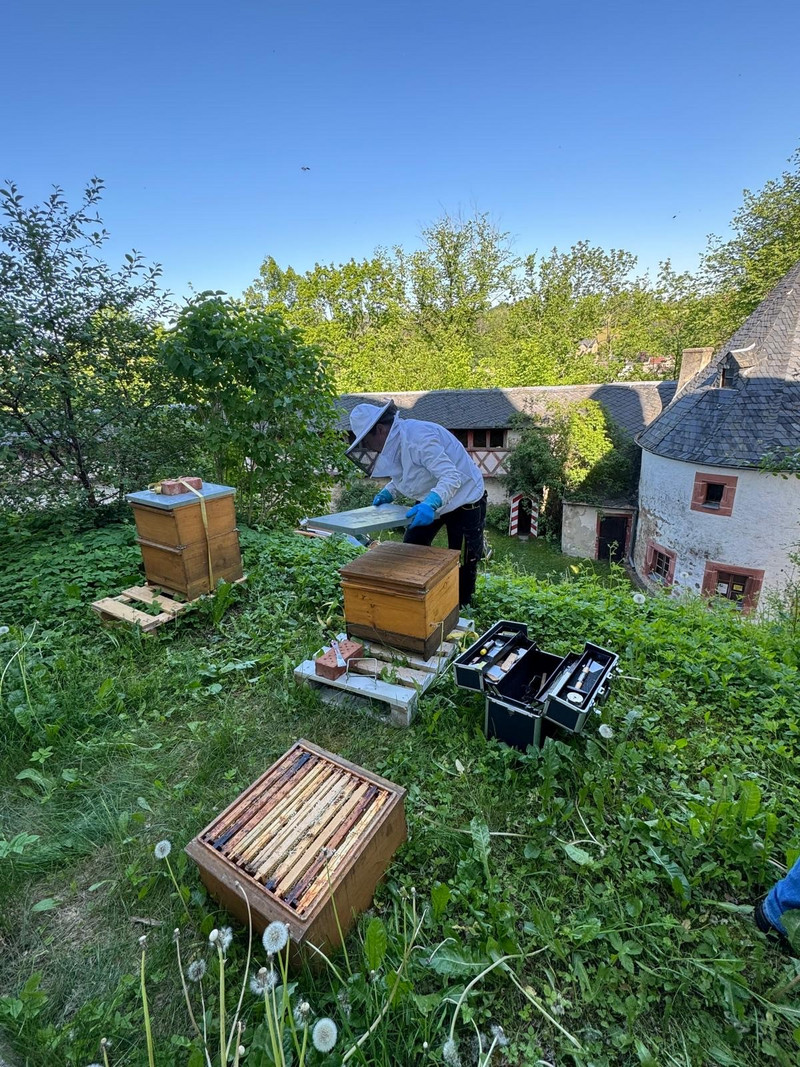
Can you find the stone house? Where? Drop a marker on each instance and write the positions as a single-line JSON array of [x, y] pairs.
[[711, 519]]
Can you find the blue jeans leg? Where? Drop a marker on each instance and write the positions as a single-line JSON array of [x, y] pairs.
[[783, 896]]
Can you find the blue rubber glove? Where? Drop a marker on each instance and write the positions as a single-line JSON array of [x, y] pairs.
[[424, 513], [383, 497]]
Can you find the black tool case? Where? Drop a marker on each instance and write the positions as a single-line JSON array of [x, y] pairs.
[[501, 639], [578, 686], [514, 712]]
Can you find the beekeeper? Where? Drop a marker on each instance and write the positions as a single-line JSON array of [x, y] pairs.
[[427, 463]]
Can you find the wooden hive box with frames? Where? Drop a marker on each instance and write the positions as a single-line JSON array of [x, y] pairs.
[[403, 596], [308, 843]]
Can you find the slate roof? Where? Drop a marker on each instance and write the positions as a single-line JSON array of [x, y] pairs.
[[759, 412], [632, 405]]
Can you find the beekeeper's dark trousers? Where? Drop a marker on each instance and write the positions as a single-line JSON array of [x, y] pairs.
[[465, 527]]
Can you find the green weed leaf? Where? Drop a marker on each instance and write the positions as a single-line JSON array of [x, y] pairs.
[[375, 944]]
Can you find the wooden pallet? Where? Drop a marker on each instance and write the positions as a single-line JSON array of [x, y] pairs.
[[409, 674], [121, 608]]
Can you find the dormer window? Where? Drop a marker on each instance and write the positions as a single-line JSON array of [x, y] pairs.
[[727, 378]]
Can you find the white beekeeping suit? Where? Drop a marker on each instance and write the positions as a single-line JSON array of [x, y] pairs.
[[419, 458]]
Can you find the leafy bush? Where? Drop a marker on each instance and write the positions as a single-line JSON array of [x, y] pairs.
[[498, 517], [264, 401]]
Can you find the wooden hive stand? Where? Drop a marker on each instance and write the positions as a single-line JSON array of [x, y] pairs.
[[392, 677], [308, 843], [122, 607]]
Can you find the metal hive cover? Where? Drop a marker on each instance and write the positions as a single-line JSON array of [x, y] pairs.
[[363, 520]]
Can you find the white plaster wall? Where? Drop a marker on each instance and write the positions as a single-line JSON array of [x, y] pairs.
[[760, 533], [579, 530]]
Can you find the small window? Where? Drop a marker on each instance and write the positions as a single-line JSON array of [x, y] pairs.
[[727, 378], [660, 567], [479, 438], [740, 585], [497, 438], [462, 436], [659, 563], [714, 491]]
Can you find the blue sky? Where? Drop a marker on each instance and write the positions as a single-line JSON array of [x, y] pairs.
[[633, 125]]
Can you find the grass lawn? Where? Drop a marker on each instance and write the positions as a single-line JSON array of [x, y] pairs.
[[586, 904]]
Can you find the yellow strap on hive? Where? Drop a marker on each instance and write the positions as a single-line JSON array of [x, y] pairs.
[[156, 488]]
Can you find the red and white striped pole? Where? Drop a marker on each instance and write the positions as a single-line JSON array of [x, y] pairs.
[[534, 502], [513, 522]]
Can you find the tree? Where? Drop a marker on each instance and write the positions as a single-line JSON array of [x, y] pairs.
[[264, 400], [764, 246], [574, 451], [80, 384], [465, 267]]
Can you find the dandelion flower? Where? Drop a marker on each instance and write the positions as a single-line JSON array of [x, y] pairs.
[[263, 982], [196, 970], [275, 937], [225, 938], [450, 1053], [324, 1035], [639, 598], [162, 849]]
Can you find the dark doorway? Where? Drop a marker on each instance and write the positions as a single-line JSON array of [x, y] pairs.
[[612, 537]]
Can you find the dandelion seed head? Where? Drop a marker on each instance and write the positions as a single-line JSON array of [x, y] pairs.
[[142, 941], [225, 938], [212, 937], [275, 937], [263, 982], [241, 1050], [3, 630], [95, 1065], [424, 1046], [324, 1035], [605, 731], [176, 934], [450, 1053], [499, 1034], [105, 1043], [639, 598], [196, 970], [163, 849]]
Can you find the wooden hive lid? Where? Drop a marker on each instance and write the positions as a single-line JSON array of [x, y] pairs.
[[396, 565]]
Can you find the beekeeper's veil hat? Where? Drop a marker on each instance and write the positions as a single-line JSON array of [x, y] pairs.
[[363, 419]]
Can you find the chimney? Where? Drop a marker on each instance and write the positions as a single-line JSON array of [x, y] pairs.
[[692, 362]]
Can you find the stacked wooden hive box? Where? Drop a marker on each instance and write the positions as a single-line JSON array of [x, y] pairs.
[[405, 596], [188, 546]]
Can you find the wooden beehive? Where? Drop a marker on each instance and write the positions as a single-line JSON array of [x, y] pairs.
[[308, 842], [402, 595], [176, 542]]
